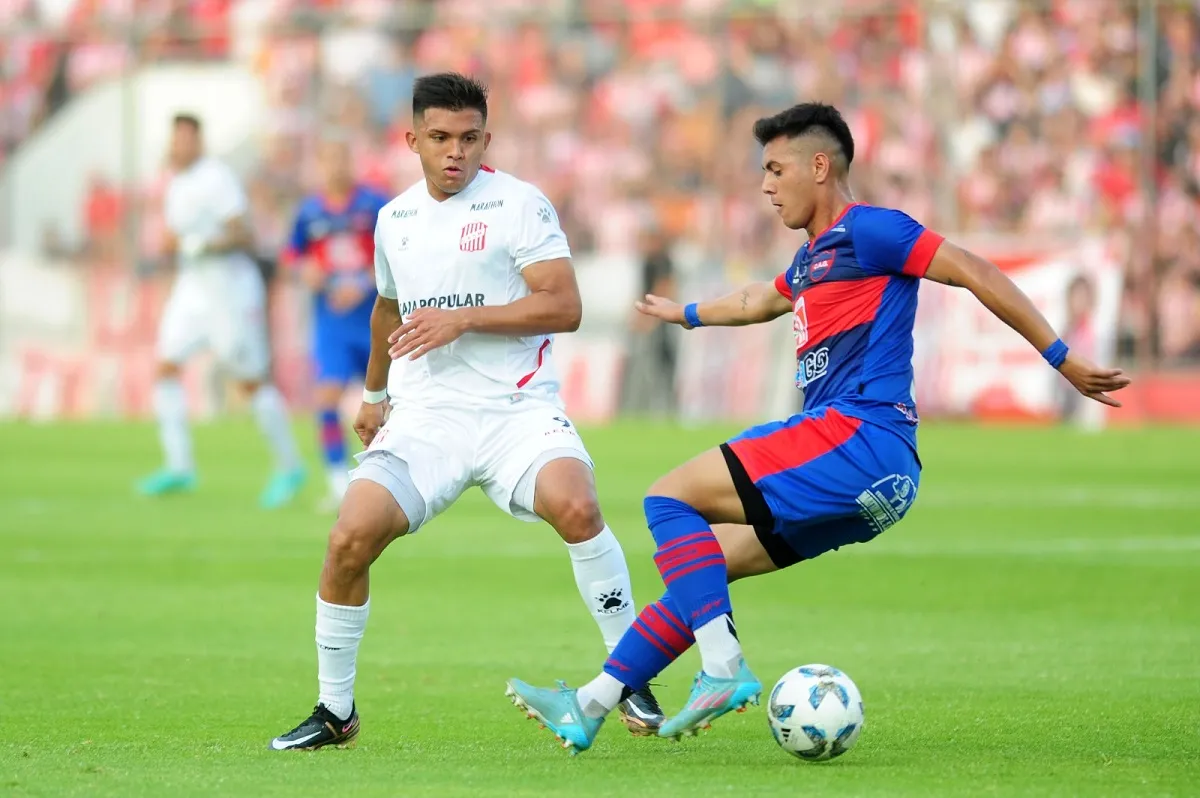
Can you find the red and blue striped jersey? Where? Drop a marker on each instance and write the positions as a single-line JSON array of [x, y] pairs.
[[341, 241], [854, 296]]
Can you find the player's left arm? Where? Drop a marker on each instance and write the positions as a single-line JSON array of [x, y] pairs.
[[542, 257], [954, 266]]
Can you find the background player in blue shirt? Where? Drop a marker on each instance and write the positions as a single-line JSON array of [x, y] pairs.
[[840, 472], [333, 240]]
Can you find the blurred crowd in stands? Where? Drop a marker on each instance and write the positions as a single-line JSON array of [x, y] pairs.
[[1045, 119]]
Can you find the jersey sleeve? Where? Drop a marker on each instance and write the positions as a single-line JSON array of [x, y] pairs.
[[385, 283], [891, 242], [786, 279], [538, 236]]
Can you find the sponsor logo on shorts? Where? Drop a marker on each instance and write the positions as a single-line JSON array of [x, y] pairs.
[[473, 237], [445, 301], [562, 425], [886, 502]]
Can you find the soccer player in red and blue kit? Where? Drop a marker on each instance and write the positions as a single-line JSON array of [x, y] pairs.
[[840, 472], [333, 240]]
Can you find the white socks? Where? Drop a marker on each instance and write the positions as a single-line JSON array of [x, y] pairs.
[[720, 651], [339, 480], [272, 416], [598, 697], [170, 406], [603, 580], [339, 631]]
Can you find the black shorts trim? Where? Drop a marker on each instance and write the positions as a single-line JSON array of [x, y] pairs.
[[758, 514]]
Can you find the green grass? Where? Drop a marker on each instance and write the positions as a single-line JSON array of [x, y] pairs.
[[1032, 628]]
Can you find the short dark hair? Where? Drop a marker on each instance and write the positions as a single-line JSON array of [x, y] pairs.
[[807, 118], [450, 91], [191, 120]]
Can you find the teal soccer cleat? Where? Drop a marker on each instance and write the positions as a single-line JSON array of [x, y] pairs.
[[164, 482], [710, 699], [557, 710], [282, 488]]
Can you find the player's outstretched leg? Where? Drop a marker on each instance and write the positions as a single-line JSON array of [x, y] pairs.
[[370, 519], [565, 496], [678, 510], [170, 408], [271, 413], [655, 640], [333, 443]]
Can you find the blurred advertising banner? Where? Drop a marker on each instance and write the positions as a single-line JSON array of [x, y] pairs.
[[78, 342]]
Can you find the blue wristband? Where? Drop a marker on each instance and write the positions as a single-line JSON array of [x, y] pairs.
[[1056, 353], [691, 315]]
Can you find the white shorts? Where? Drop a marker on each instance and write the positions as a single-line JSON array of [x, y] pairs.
[[224, 312], [491, 445]]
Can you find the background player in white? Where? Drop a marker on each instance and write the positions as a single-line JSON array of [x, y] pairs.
[[474, 276], [218, 301]]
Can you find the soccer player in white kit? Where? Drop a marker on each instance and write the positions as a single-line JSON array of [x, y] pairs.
[[474, 278], [218, 301]]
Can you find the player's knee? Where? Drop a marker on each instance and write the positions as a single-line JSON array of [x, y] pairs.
[[578, 518], [352, 545], [669, 486]]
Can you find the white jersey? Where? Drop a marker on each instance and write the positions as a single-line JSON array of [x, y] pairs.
[[466, 251], [199, 201]]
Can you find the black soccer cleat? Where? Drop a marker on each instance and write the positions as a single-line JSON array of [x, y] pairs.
[[641, 713], [320, 729]]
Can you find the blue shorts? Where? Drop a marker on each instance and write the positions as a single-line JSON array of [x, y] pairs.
[[821, 480], [340, 353]]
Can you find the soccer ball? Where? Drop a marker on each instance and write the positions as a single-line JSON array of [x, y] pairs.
[[815, 712]]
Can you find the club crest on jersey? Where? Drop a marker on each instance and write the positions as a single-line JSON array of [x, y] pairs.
[[821, 265], [473, 237]]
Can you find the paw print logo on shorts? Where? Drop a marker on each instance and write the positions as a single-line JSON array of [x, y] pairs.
[[612, 602]]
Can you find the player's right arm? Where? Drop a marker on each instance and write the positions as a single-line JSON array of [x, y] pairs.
[[385, 317], [754, 304], [891, 242]]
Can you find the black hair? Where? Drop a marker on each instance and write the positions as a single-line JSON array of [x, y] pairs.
[[807, 118], [191, 120], [451, 91]]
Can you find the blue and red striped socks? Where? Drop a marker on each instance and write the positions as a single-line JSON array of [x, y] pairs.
[[693, 567], [695, 608], [333, 443], [333, 446], [657, 638], [690, 560]]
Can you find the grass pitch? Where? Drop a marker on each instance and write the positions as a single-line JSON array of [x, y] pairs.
[[1032, 628]]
